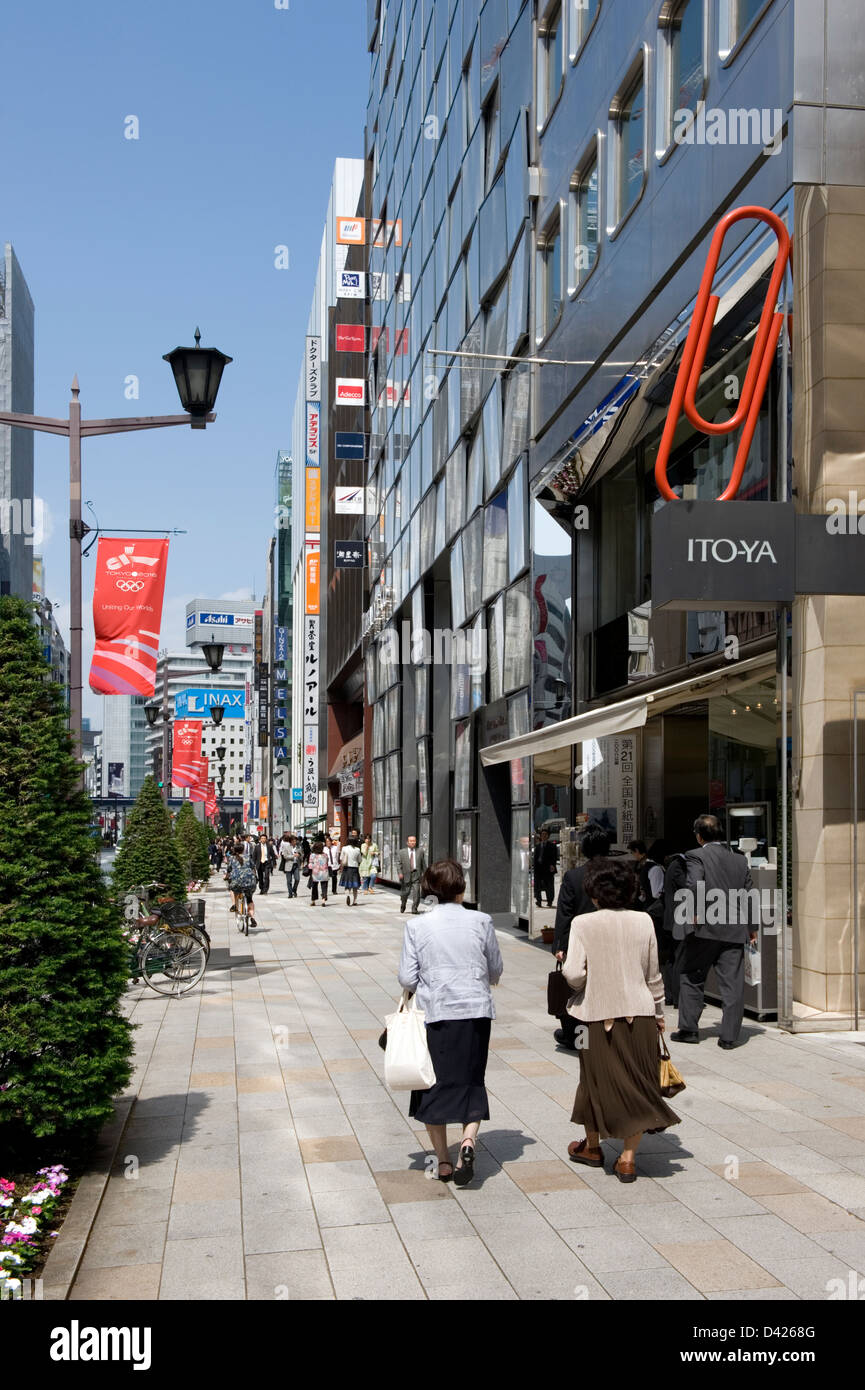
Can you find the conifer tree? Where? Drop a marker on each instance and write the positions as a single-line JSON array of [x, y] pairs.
[[65, 1046], [147, 852], [190, 838]]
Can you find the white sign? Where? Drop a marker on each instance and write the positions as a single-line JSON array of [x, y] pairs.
[[354, 501], [351, 284], [311, 668], [310, 766], [313, 369], [350, 390]]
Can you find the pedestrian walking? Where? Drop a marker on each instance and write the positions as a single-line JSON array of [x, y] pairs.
[[575, 902], [412, 865], [289, 862], [319, 872], [612, 967], [546, 857], [367, 859], [350, 860], [450, 959], [262, 862], [333, 850], [714, 933]]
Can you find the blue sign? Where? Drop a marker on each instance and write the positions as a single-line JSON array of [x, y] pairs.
[[190, 621], [281, 713], [348, 555], [608, 408], [349, 445], [197, 704], [216, 619], [281, 692], [280, 755], [279, 734], [280, 645], [297, 793]]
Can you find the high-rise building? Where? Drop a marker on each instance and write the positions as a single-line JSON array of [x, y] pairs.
[[53, 647], [193, 690], [17, 520]]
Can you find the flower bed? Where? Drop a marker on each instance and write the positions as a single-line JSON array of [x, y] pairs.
[[30, 1212]]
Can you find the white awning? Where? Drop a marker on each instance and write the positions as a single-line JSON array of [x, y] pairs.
[[627, 714]]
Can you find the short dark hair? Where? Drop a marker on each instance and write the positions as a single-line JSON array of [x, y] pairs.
[[595, 841], [444, 880], [318, 846], [612, 884], [708, 828], [637, 847]]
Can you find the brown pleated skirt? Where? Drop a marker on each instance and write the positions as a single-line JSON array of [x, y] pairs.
[[619, 1091]]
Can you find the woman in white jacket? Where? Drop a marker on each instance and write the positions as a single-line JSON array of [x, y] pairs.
[[450, 958]]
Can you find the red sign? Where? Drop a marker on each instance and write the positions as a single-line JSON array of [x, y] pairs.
[[350, 337], [127, 615], [199, 791], [210, 804], [186, 760]]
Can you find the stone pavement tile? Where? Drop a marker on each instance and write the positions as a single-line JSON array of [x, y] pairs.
[[606, 1248], [298, 1076], [502, 1044], [799, 1162], [515, 1146], [418, 1221], [215, 1040], [831, 1142], [292, 1275], [399, 1155], [275, 1145], [551, 1176], [812, 1278], [190, 1220], [322, 1126], [363, 1208], [847, 1245], [410, 1186], [811, 1212], [669, 1165], [160, 1105], [779, 1090], [330, 1149], [262, 1100], [574, 1210], [461, 1264], [347, 1175], [640, 1285], [153, 1129], [251, 1084], [140, 1243], [265, 1178], [210, 1080], [364, 1034], [779, 1295], [155, 1173], [539, 1066], [535, 1260], [669, 1223], [209, 1158], [269, 1227], [846, 1189], [716, 1266], [854, 1125], [857, 1081], [133, 1282], [716, 1199], [759, 1179], [127, 1204], [767, 1239], [369, 1262], [260, 1121], [341, 1066], [194, 1270]]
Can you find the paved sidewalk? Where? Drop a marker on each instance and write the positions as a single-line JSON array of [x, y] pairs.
[[264, 1158]]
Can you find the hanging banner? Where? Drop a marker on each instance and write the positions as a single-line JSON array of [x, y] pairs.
[[313, 421], [199, 791], [313, 499], [186, 758], [310, 767], [313, 581], [311, 675], [313, 369], [127, 614], [210, 803]]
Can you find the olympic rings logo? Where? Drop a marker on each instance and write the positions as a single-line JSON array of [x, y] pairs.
[[129, 586]]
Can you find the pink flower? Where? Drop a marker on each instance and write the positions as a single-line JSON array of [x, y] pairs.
[[37, 1211]]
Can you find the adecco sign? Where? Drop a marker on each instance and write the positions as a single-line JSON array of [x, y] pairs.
[[748, 556]]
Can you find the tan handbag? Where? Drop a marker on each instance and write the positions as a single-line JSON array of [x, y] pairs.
[[669, 1075]]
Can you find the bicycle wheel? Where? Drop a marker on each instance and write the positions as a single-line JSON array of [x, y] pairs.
[[244, 919], [173, 962]]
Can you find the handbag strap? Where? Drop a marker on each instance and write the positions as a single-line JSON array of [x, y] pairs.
[[558, 967], [665, 1051]]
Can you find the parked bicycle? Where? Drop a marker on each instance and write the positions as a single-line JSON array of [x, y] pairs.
[[168, 947]]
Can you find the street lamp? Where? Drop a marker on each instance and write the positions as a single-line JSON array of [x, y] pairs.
[[198, 372], [216, 714], [212, 653], [151, 714]]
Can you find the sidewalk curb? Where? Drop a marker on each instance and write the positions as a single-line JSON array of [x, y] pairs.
[[62, 1264]]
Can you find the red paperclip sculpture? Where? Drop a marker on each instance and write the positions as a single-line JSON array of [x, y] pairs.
[[697, 345]]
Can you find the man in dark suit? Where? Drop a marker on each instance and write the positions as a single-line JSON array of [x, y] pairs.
[[715, 919], [546, 858], [574, 902], [411, 868]]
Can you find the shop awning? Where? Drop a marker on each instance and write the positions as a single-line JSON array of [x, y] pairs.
[[624, 715]]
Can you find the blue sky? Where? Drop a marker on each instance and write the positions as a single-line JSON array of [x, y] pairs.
[[128, 244]]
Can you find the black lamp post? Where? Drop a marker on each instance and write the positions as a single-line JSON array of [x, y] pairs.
[[212, 652], [197, 372], [216, 714]]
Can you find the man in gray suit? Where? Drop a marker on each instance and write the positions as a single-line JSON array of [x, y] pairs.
[[412, 867], [713, 921]]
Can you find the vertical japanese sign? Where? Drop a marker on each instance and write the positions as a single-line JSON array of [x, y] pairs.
[[610, 796], [312, 585], [313, 499], [127, 614], [313, 580], [313, 369]]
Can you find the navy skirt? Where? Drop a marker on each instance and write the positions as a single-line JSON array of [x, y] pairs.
[[350, 877], [459, 1048]]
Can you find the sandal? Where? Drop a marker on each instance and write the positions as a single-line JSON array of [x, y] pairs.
[[445, 1177], [465, 1171], [579, 1153]]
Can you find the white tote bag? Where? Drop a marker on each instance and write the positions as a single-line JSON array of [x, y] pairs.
[[753, 972], [407, 1062]]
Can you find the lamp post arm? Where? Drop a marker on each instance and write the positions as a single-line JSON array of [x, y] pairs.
[[136, 422], [34, 422]]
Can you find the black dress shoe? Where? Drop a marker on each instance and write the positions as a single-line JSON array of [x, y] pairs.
[[563, 1040], [727, 1046], [466, 1171], [685, 1037]]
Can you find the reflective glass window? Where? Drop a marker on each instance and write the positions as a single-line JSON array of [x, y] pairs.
[[496, 323], [423, 795], [458, 598], [495, 545], [584, 222], [463, 850], [517, 523], [686, 58], [493, 245], [475, 487], [421, 701], [428, 531], [441, 519], [492, 427], [515, 432], [516, 78], [456, 490], [491, 125], [473, 553], [495, 646], [518, 724], [518, 637], [518, 297], [550, 62], [463, 765], [631, 133]]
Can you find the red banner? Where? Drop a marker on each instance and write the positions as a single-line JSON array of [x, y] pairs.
[[127, 614], [199, 791], [210, 803], [185, 770]]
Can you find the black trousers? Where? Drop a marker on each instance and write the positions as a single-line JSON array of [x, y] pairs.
[[263, 872], [544, 883], [698, 956]]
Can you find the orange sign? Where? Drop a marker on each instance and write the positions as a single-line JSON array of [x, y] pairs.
[[313, 573], [262, 808], [313, 499], [350, 231]]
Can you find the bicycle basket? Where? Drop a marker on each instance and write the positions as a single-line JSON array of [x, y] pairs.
[[177, 915]]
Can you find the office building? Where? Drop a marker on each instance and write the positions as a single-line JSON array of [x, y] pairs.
[[17, 520], [193, 690]]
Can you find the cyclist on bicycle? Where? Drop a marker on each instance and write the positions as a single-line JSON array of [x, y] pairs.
[[242, 882]]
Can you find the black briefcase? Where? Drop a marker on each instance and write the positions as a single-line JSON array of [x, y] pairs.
[[558, 992]]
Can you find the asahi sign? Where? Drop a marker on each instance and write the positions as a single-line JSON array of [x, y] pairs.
[[748, 556]]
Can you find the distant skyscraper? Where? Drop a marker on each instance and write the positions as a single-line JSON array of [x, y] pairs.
[[16, 446]]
